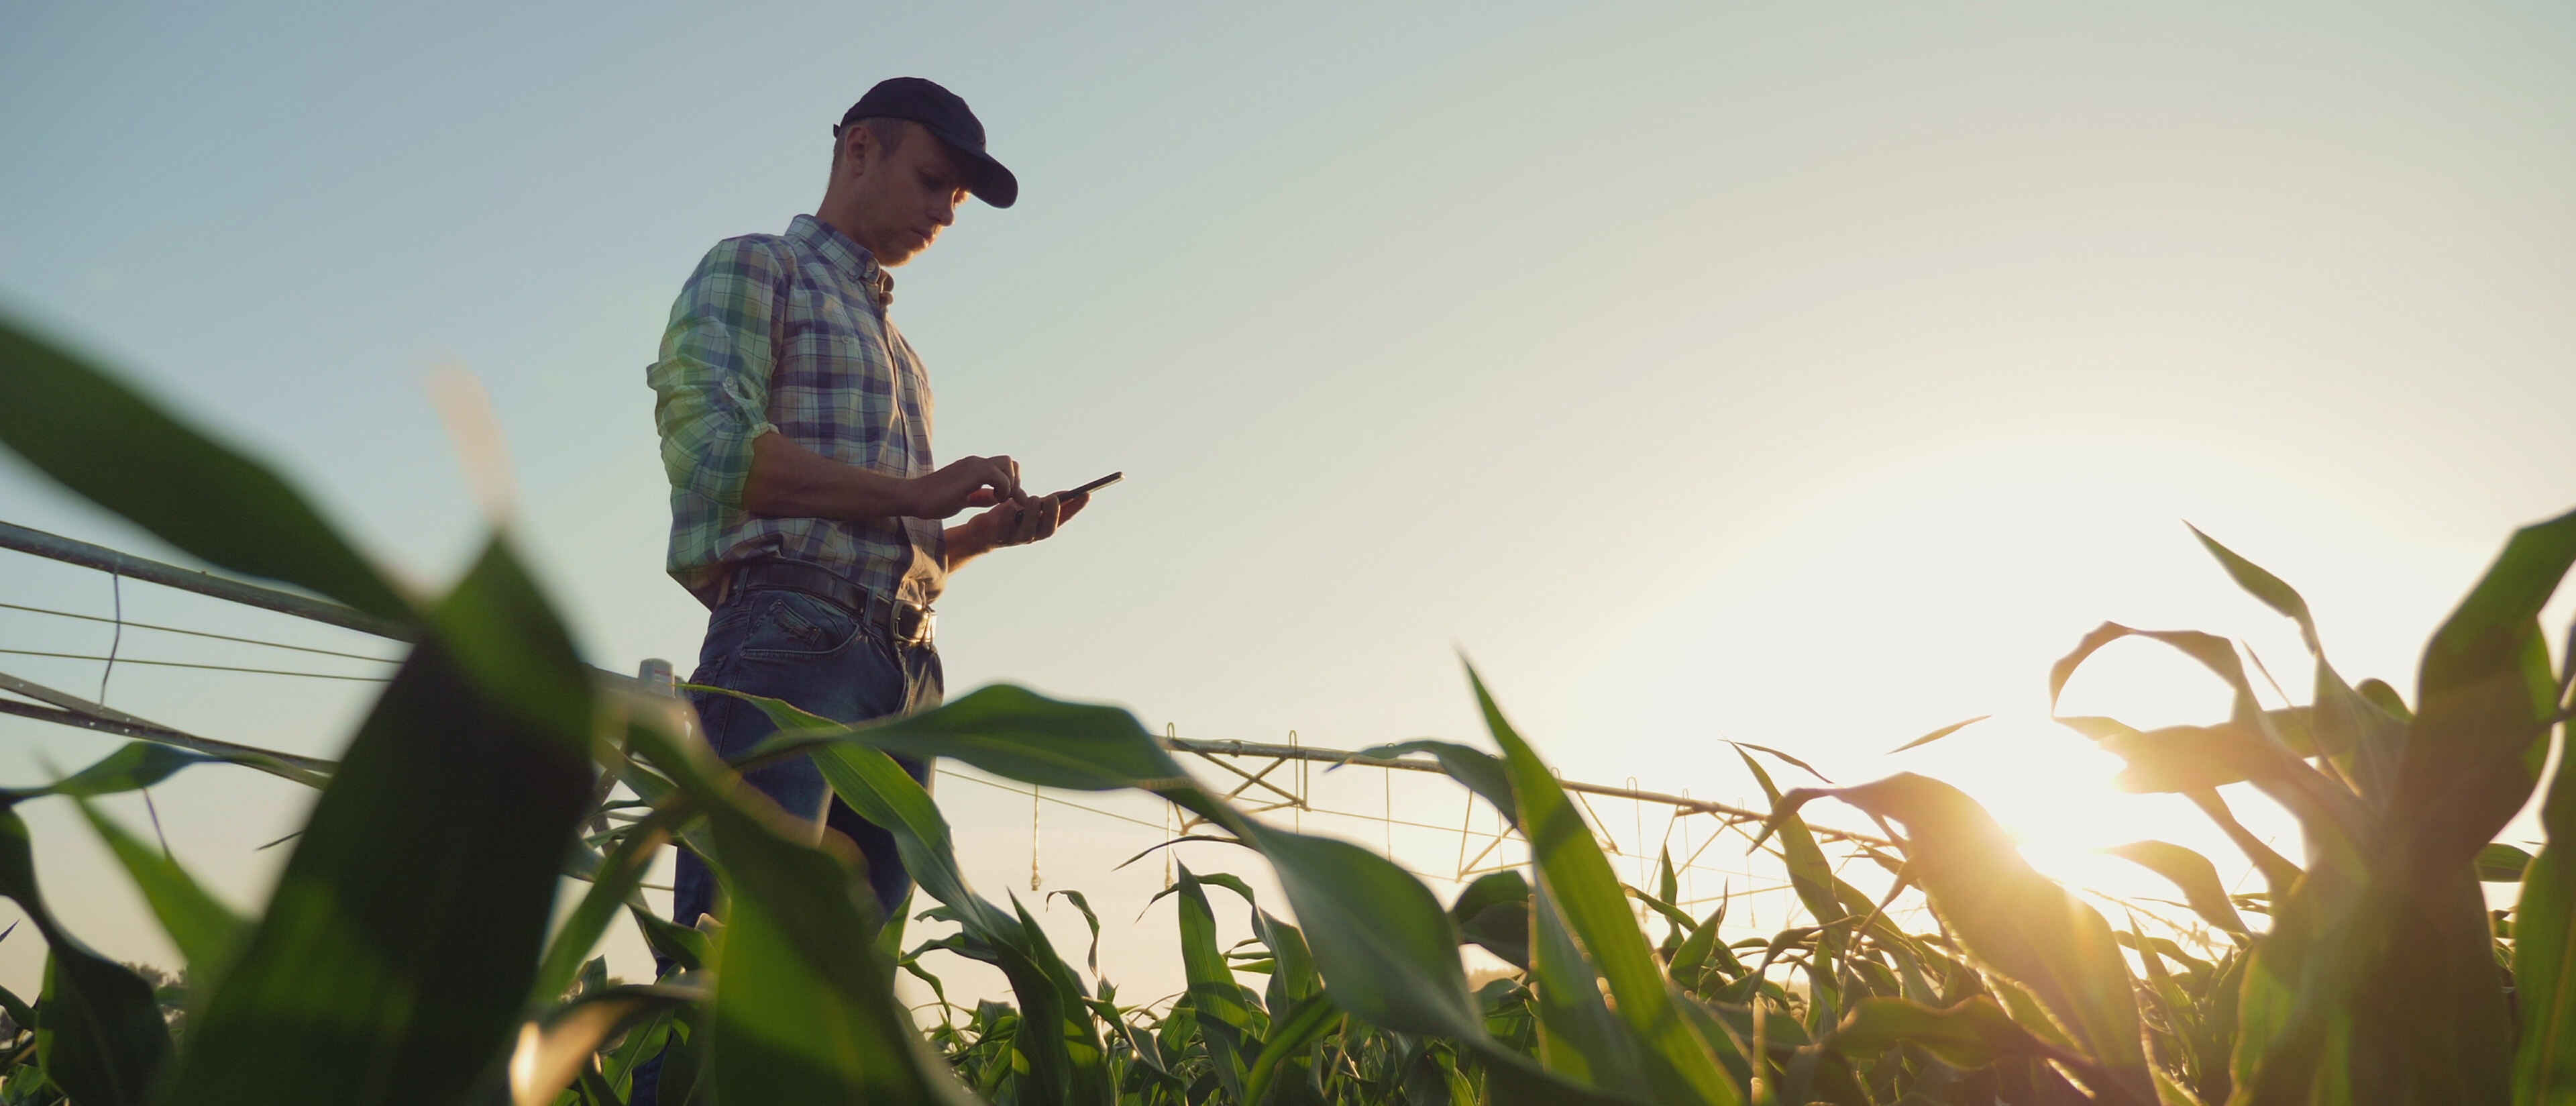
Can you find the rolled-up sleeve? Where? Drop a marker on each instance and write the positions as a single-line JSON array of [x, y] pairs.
[[711, 385]]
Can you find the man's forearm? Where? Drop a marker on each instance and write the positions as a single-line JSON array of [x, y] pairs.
[[966, 541], [792, 481]]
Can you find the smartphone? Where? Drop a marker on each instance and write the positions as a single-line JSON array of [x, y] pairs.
[[1095, 485]]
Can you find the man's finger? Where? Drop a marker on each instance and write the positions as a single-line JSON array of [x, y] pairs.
[[1068, 507], [982, 497]]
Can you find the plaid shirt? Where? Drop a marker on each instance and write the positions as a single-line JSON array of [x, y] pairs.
[[789, 333]]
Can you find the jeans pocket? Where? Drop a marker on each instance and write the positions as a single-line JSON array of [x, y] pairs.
[[793, 625]]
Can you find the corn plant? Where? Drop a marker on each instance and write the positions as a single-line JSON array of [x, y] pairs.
[[406, 957]]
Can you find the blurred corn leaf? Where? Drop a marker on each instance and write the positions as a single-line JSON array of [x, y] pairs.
[[616, 884], [107, 443], [552, 1053], [405, 931], [2378, 975], [2544, 952], [1971, 1034], [206, 931], [98, 1032], [2501, 863], [1493, 913], [2192, 873]]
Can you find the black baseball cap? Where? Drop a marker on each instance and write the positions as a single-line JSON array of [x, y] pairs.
[[941, 113]]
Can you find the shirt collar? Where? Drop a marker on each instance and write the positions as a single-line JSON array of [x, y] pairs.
[[846, 256]]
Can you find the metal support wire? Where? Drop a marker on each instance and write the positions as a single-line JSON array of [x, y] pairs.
[[1721, 811], [263, 642], [59, 548]]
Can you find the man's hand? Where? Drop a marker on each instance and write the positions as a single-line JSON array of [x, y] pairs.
[[1024, 520], [963, 483], [1017, 521]]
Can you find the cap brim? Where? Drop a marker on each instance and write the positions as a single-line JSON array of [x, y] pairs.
[[992, 183], [985, 177]]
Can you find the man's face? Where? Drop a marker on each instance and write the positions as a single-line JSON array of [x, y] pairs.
[[904, 197]]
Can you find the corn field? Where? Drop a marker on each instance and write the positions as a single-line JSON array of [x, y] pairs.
[[407, 956]]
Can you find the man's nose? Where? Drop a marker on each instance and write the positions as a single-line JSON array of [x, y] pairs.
[[944, 212]]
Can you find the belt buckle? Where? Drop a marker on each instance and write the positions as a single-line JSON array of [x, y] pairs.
[[894, 623]]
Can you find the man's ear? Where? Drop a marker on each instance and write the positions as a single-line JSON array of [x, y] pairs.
[[856, 143]]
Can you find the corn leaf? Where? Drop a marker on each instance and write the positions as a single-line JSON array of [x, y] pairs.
[[206, 931], [404, 933], [2192, 873], [97, 1031], [2012, 920], [119, 450], [1969, 1035], [1575, 878]]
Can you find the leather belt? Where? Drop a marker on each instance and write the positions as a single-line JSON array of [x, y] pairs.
[[907, 623]]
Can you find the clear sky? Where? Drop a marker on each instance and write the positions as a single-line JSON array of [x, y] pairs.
[[1803, 374]]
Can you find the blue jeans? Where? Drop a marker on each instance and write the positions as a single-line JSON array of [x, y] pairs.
[[817, 655]]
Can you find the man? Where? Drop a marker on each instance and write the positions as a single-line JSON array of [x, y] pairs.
[[795, 424]]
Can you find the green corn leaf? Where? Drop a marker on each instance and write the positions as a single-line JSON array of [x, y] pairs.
[[2248, 747], [2272, 590], [1093, 920], [1479, 771], [1385, 949], [1493, 913], [1019, 734], [2544, 957], [550, 1053], [367, 981], [1373, 928], [2544, 960], [2380, 974], [1938, 734], [2485, 686], [2366, 741], [1066, 1057], [1290, 1034], [1578, 1036], [2501, 863], [1226, 1023], [17, 1008], [1969, 1035], [2279, 875], [1744, 746], [1295, 980], [98, 1033], [617, 883], [804, 1007], [1576, 879], [2012, 920], [2192, 873], [1810, 874], [1673, 917], [206, 931], [1701, 951], [135, 765], [113, 447]]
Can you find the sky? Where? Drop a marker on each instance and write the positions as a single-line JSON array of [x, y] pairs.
[[1809, 375]]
